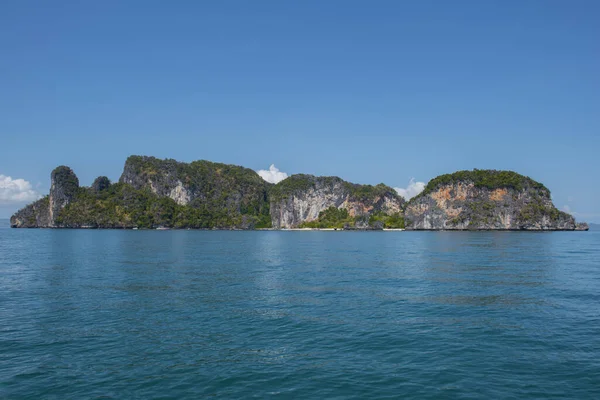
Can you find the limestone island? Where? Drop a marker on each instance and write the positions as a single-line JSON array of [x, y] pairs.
[[167, 194]]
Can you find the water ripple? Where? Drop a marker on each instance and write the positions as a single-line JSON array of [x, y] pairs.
[[185, 314]]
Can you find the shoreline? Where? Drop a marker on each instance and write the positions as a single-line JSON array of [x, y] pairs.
[[330, 229], [301, 229], [90, 228]]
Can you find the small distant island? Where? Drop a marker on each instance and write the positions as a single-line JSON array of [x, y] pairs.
[[161, 194]]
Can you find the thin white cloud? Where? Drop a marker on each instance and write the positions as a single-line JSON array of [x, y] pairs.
[[273, 174], [413, 189], [567, 209], [15, 191]]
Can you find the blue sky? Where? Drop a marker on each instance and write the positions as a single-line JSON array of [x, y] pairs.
[[373, 92]]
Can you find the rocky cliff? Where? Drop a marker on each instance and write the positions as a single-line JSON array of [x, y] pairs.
[[64, 186], [485, 200], [303, 198], [44, 213], [214, 188], [154, 193]]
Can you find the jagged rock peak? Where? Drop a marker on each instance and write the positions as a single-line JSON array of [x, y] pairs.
[[63, 188]]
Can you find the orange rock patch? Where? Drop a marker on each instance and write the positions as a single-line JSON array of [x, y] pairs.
[[498, 194], [461, 192], [442, 195], [353, 206]]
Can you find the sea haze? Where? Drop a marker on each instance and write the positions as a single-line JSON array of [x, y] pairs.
[[236, 314]]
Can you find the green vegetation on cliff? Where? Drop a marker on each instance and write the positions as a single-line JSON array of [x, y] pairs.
[[198, 176], [369, 193], [122, 206], [490, 179], [100, 183], [331, 218], [537, 210], [65, 178], [216, 195], [155, 193], [393, 221], [300, 183], [35, 212], [166, 193], [339, 218]]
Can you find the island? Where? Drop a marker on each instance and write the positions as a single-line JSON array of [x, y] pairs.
[[166, 194], [486, 200]]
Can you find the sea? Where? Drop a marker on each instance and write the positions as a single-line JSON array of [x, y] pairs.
[[176, 314]]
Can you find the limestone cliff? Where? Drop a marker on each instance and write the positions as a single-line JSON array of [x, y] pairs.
[[154, 193], [212, 187], [44, 213], [302, 198], [485, 200], [63, 189]]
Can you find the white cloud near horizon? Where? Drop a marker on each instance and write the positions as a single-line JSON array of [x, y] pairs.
[[413, 189], [273, 174], [15, 191]]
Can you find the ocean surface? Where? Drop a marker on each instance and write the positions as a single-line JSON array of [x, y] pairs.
[[108, 314]]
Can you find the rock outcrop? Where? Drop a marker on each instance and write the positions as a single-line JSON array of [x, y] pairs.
[[301, 198], [230, 186], [100, 183], [45, 212], [485, 200], [63, 189], [35, 215], [582, 226]]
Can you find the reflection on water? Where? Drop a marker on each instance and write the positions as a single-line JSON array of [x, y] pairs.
[[137, 314]]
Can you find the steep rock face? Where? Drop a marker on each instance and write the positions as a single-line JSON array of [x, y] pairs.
[[44, 213], [213, 187], [63, 189], [485, 200], [162, 177], [301, 198]]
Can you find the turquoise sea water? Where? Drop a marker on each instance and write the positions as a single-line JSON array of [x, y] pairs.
[[189, 314]]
